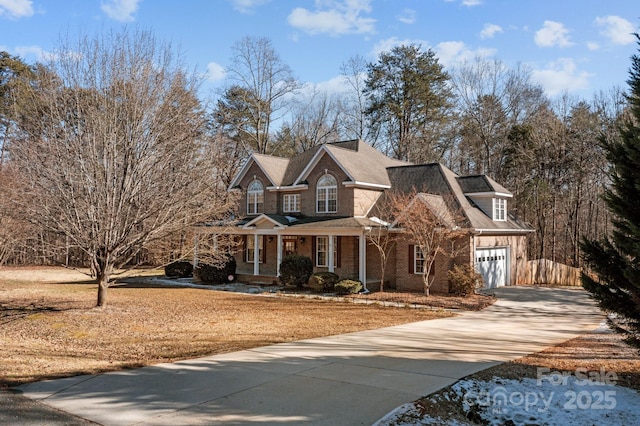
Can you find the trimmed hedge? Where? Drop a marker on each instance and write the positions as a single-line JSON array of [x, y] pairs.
[[295, 270], [348, 287], [209, 274], [463, 280], [323, 282], [179, 269]]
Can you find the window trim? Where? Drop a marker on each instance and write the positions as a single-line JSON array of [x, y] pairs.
[[336, 250], [499, 209], [416, 258], [291, 203], [325, 251], [255, 198], [326, 191], [250, 240]]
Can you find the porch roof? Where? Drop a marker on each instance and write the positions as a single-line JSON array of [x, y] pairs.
[[306, 222]]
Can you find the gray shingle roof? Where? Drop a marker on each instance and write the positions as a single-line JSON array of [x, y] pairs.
[[480, 183], [274, 167], [364, 164]]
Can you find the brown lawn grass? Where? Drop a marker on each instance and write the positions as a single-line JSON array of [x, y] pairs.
[[49, 327]]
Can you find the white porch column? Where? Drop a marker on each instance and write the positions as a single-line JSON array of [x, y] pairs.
[[256, 255], [330, 254], [362, 255], [279, 250]]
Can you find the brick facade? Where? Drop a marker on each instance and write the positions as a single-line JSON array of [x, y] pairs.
[[354, 202]]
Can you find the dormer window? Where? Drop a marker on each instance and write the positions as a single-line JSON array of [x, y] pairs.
[[255, 197], [327, 194], [499, 209]]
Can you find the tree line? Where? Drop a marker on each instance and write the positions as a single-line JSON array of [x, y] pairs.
[[481, 117], [109, 147]]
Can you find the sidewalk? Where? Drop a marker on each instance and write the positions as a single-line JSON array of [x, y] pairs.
[[347, 379]]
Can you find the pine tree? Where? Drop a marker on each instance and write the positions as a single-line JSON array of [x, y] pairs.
[[616, 261]]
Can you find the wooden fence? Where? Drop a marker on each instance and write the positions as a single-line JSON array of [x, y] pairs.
[[545, 271]]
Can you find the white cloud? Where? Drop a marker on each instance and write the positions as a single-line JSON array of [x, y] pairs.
[[334, 86], [561, 75], [215, 72], [120, 10], [490, 30], [334, 18], [552, 34], [452, 53], [408, 16], [388, 44], [33, 51], [618, 30], [247, 6], [449, 53], [15, 9], [471, 3], [592, 45]]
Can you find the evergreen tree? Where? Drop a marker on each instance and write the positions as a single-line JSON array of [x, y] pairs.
[[409, 103], [616, 261]]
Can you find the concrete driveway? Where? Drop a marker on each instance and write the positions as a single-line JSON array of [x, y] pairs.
[[350, 379]]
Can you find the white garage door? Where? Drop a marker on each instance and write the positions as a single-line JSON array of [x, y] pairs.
[[492, 265]]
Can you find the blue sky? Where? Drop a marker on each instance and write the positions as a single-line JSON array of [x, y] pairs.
[[578, 46]]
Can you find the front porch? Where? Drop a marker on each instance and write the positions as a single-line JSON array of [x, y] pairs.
[[344, 255]]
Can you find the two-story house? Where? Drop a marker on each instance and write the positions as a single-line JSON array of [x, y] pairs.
[[319, 204]]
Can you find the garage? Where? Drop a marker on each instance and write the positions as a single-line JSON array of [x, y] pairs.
[[491, 263]]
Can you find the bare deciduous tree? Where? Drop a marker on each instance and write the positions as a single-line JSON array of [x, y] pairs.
[[429, 224], [491, 99], [263, 82], [116, 157], [313, 122], [383, 236], [356, 124]]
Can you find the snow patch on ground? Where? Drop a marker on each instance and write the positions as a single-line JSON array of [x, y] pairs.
[[552, 398]]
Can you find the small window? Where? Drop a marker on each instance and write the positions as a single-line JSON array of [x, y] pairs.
[[499, 209], [327, 194], [255, 198], [418, 260], [291, 203]]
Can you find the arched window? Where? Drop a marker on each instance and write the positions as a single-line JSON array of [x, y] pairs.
[[327, 194], [255, 197]]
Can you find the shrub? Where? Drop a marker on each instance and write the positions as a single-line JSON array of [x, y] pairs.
[[463, 280], [323, 281], [179, 269], [295, 270], [210, 274], [348, 287]]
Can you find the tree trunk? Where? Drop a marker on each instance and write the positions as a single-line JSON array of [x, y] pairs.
[[103, 285], [427, 286]]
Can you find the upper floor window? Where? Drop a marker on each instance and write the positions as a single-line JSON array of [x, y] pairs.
[[499, 209], [291, 203], [327, 194], [255, 197]]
